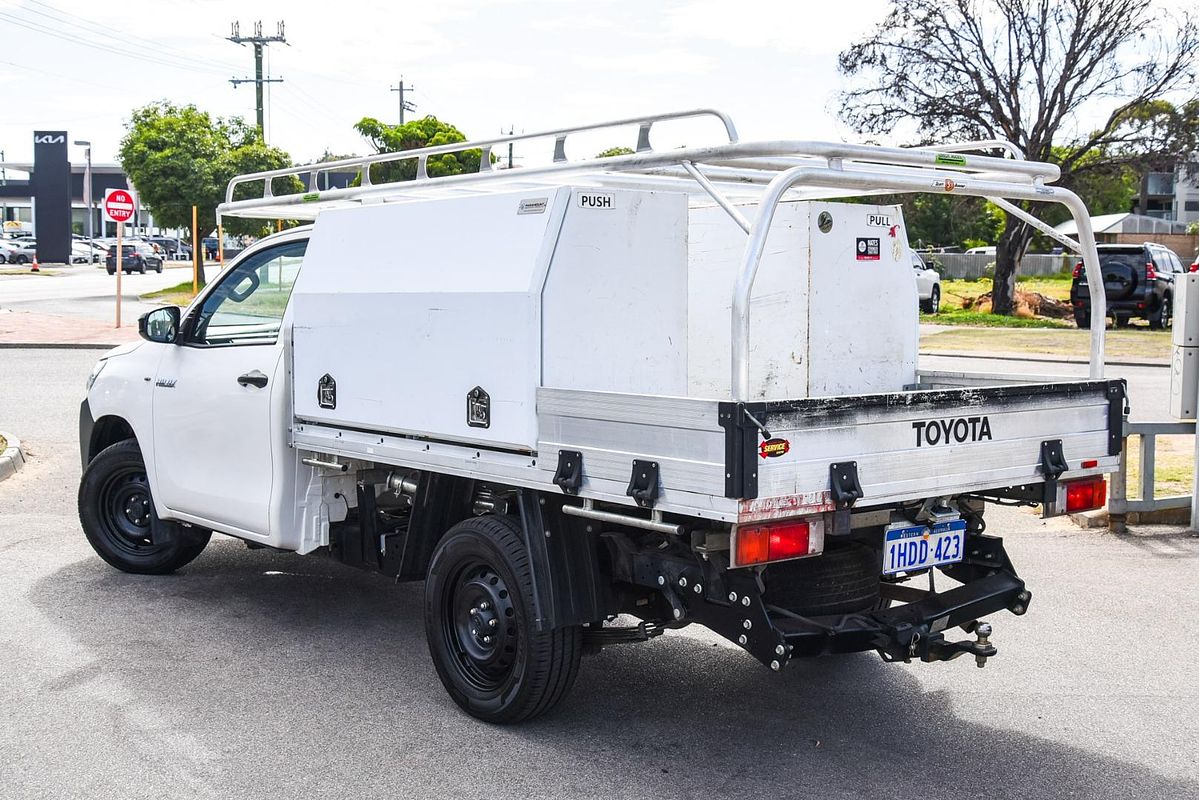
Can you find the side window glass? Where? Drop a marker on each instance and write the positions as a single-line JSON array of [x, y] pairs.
[[247, 307]]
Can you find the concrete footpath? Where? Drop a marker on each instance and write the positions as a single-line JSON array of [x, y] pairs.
[[33, 329]]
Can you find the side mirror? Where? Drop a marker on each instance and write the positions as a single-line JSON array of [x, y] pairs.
[[160, 325]]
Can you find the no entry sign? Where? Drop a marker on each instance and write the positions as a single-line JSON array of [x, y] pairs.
[[118, 205]]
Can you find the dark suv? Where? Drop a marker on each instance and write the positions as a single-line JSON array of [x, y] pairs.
[[1139, 281], [136, 256]]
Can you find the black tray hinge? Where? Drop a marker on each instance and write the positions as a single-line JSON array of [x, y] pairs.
[[1051, 463], [643, 483], [1118, 410], [569, 475], [742, 429], [844, 488]]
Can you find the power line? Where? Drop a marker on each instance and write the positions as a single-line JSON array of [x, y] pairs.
[[103, 47], [260, 42]]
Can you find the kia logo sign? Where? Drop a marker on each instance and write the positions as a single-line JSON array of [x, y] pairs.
[[50, 138]]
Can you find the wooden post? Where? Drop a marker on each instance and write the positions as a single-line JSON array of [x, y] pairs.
[[197, 256], [220, 243], [120, 230]]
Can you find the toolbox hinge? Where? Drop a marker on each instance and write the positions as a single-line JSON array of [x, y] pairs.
[[1051, 463]]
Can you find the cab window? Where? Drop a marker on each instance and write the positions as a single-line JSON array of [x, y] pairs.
[[247, 306]]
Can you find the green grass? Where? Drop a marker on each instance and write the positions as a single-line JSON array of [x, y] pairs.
[[178, 295], [958, 316], [3, 444]]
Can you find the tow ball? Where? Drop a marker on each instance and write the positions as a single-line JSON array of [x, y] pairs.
[[982, 631]]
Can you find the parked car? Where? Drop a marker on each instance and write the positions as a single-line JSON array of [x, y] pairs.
[[6, 251], [210, 247], [82, 253], [23, 250], [175, 247], [136, 256], [982, 251], [1139, 281], [929, 285]]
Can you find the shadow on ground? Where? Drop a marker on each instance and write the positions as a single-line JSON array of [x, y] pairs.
[[297, 675]]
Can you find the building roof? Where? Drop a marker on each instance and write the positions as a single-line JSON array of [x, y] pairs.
[[1124, 223]]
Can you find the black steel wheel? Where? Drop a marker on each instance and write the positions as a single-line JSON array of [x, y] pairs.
[[1083, 319], [479, 622], [116, 510]]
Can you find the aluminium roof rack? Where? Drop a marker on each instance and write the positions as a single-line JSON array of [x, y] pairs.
[[727, 173]]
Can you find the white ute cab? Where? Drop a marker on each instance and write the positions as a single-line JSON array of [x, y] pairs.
[[591, 400]]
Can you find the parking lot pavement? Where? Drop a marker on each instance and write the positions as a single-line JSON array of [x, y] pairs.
[[257, 674]]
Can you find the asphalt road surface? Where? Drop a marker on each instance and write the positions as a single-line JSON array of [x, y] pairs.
[[90, 291], [255, 674]]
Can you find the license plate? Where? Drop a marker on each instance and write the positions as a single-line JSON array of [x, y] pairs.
[[908, 548]]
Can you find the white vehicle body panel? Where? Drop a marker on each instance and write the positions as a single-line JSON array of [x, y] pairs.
[[816, 330]]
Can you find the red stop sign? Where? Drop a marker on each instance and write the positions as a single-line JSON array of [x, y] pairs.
[[118, 205]]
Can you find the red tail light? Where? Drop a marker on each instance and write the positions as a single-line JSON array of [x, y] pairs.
[[1086, 494], [758, 544], [1150, 273], [1195, 267], [1078, 269]]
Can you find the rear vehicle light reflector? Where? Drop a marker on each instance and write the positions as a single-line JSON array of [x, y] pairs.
[[758, 544], [1085, 495], [1091, 462]]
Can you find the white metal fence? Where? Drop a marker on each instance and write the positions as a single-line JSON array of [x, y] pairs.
[[972, 265], [1119, 504]]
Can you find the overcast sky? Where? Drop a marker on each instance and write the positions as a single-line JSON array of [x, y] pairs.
[[533, 64]]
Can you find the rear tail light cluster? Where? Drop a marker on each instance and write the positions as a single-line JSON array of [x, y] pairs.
[[1150, 272], [1078, 269], [776, 541], [1085, 495]]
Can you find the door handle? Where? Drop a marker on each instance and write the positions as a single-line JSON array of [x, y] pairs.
[[253, 378]]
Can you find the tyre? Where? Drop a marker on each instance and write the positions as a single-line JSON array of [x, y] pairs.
[[1122, 322], [1083, 319], [117, 514], [842, 581], [112, 270], [479, 621], [142, 270], [1161, 318], [934, 303], [158, 269], [21, 259]]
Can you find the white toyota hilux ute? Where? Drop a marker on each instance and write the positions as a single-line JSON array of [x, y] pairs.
[[592, 400]]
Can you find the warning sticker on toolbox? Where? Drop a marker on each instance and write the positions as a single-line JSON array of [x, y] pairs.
[[866, 249]]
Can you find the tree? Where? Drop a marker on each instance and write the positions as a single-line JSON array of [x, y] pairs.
[[615, 151], [1024, 70], [180, 156], [427, 132]]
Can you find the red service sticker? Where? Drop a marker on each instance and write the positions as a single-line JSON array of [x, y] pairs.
[[866, 249], [774, 448]]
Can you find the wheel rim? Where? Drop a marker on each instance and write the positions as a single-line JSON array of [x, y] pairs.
[[936, 300], [126, 511], [478, 626]]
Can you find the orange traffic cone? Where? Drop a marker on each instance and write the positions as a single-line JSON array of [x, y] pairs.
[[35, 265]]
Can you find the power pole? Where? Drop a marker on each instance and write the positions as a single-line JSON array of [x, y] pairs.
[[259, 41], [405, 105]]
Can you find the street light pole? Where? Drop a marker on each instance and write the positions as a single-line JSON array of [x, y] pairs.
[[87, 193]]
